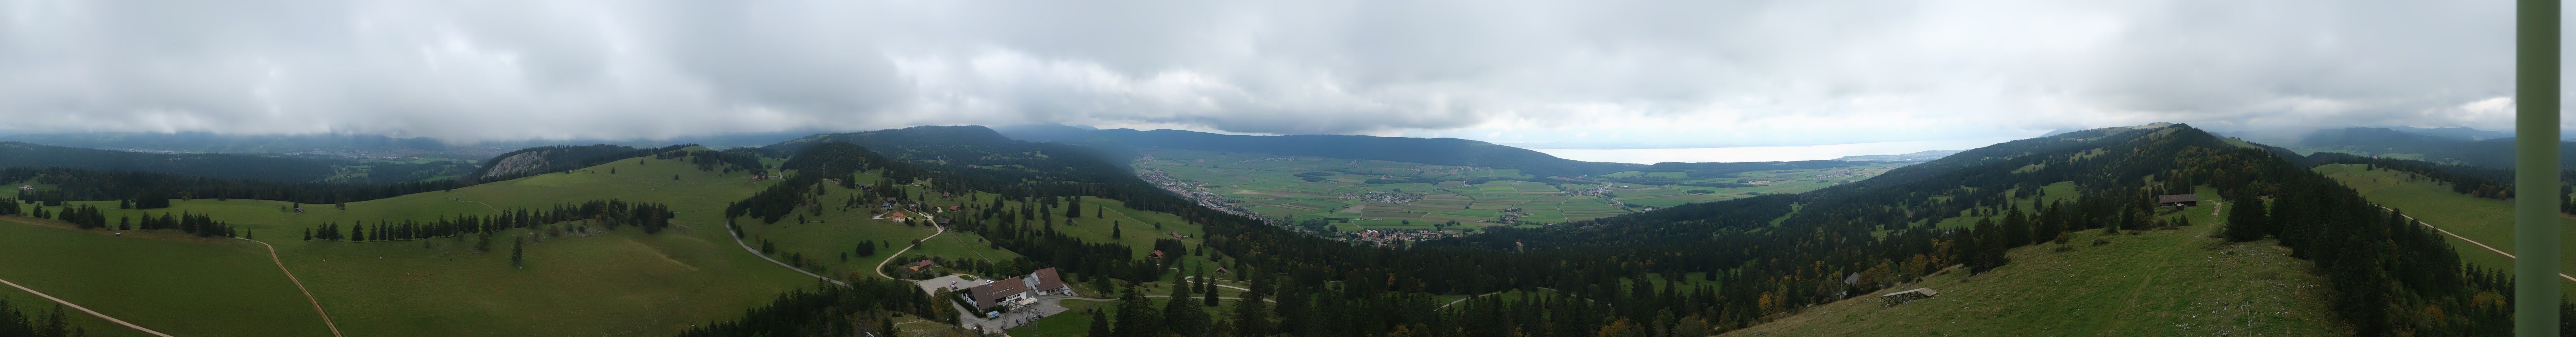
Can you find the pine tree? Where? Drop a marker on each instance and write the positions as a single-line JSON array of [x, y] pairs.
[[1207, 285], [55, 324], [885, 327], [1177, 310], [1135, 316], [1099, 325], [2245, 218]]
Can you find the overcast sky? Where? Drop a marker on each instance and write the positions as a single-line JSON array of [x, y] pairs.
[[1535, 74]]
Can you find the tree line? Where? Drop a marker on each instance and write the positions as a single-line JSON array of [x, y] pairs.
[[609, 213], [828, 310], [153, 190], [713, 161], [23, 323]]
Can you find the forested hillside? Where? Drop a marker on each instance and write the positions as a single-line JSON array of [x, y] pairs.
[[1655, 271], [1884, 226], [538, 160], [227, 166]]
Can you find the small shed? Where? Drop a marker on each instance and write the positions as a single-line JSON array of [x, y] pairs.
[[2178, 200], [1901, 297], [1853, 279]]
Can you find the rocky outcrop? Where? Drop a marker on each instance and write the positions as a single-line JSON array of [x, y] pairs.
[[515, 165]]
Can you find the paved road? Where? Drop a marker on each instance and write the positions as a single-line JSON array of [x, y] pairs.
[[78, 307], [1220, 285], [737, 241], [880, 269], [299, 286]]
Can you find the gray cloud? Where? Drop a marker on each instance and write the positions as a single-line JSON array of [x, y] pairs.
[[1595, 72]]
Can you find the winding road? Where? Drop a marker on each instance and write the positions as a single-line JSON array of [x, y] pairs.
[[299, 286], [1215, 284], [78, 307], [880, 269]]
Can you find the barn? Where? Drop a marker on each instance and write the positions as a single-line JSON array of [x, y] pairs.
[[2178, 200]]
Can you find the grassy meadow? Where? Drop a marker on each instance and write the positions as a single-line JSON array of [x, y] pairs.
[[597, 283], [177, 284]]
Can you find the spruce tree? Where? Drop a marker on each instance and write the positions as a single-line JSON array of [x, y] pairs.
[[1207, 285], [1135, 316], [1176, 311], [1099, 325], [2245, 218]]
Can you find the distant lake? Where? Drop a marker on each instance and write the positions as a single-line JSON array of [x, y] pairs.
[[1768, 153]]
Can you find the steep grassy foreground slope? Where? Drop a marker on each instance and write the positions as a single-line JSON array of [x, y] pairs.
[[595, 283], [176, 284]]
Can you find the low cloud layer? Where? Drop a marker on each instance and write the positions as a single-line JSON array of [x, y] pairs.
[[1574, 74]]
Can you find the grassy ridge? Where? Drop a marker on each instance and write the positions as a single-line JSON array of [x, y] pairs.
[[176, 284], [2160, 282]]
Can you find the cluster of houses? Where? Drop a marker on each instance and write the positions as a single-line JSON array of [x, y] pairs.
[[917, 211], [1201, 195], [1388, 236], [1016, 291], [1385, 197]]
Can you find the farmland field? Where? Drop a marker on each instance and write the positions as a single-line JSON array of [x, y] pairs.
[[1399, 195]]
